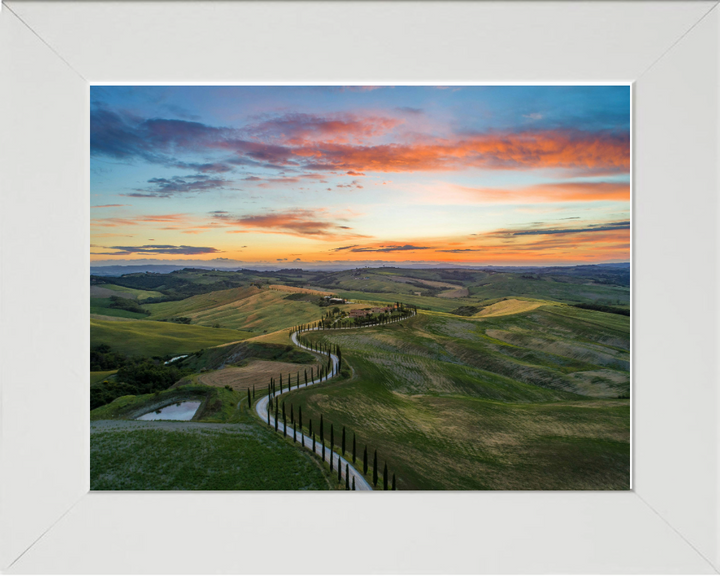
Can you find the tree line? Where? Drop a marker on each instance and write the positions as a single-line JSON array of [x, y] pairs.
[[316, 436], [277, 386]]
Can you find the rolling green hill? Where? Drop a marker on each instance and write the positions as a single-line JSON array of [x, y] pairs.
[[223, 448], [249, 309], [511, 386], [148, 338], [102, 306], [525, 401], [196, 304], [557, 284], [126, 292]]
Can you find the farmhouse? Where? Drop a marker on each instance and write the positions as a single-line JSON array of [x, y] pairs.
[[357, 313]]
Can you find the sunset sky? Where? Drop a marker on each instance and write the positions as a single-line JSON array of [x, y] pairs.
[[306, 176]]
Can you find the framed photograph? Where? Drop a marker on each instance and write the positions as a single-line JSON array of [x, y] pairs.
[[463, 252]]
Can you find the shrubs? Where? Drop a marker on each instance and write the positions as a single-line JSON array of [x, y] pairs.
[[466, 310], [127, 304], [135, 376], [103, 358], [603, 308]]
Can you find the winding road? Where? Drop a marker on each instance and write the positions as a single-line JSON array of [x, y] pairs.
[[261, 407]]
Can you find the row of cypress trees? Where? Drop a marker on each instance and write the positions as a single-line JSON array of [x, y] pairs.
[[323, 371], [388, 483]]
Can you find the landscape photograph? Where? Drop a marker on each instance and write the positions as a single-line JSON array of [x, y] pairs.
[[360, 288]]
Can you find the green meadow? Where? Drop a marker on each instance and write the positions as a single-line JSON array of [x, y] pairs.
[[252, 309], [102, 307], [148, 338], [510, 387], [222, 448], [506, 403]]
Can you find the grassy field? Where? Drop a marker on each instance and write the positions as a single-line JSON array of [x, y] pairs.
[[99, 376], [423, 302], [223, 448], [249, 309], [507, 307], [196, 304], [277, 337], [498, 384], [450, 405], [102, 306], [386, 284], [107, 290], [148, 338], [193, 456], [257, 373], [507, 285]]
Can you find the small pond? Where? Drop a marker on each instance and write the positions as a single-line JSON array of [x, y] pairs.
[[179, 411]]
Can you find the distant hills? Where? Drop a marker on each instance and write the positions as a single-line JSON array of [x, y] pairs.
[[120, 269]]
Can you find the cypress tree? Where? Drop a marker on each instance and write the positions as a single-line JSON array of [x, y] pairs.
[[323, 449], [331, 447], [322, 429], [343, 441], [253, 392], [300, 416], [284, 422], [347, 477], [365, 460], [385, 477], [292, 414], [276, 416], [393, 484], [375, 474], [297, 382], [332, 436], [312, 374], [249, 399], [305, 376], [353, 482], [268, 409], [280, 383], [339, 470], [353, 447]]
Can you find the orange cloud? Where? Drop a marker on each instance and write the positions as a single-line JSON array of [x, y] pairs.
[[303, 223], [554, 192], [589, 152], [298, 129], [138, 220], [588, 242]]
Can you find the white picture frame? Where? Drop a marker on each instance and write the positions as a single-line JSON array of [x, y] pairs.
[[51, 52]]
